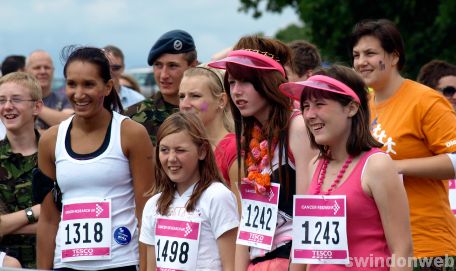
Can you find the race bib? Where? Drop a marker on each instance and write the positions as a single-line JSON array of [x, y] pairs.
[[176, 244], [452, 195], [319, 230], [259, 217], [85, 232]]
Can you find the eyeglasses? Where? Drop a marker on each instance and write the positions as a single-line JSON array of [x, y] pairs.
[[116, 67], [448, 91], [14, 101]]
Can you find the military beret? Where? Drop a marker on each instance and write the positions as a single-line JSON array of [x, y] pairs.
[[172, 42]]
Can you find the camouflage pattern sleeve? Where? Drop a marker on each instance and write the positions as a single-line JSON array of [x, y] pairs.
[[15, 195], [151, 113]]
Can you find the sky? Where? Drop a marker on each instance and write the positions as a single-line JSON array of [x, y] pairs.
[[132, 25]]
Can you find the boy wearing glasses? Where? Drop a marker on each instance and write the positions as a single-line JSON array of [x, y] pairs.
[[20, 104], [171, 55], [127, 95]]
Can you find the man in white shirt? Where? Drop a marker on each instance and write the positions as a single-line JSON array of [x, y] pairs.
[[127, 95]]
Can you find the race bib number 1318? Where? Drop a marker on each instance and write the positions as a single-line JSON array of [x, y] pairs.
[[85, 232]]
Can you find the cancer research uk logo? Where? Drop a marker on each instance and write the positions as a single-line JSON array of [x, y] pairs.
[[187, 230], [98, 210], [184, 229], [336, 207], [86, 210]]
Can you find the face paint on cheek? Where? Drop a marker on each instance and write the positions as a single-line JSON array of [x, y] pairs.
[[381, 65], [204, 106]]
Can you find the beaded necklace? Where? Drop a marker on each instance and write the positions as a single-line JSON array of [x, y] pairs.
[[338, 178]]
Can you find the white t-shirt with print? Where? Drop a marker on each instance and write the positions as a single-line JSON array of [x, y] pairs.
[[217, 210]]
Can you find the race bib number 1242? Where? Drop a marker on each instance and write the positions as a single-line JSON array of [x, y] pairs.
[[259, 217]]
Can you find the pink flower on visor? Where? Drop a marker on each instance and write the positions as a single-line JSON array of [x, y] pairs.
[[248, 59], [323, 82]]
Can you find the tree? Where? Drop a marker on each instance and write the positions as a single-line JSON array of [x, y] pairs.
[[427, 27]]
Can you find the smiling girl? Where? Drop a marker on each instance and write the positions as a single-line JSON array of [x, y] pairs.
[[190, 223], [334, 105]]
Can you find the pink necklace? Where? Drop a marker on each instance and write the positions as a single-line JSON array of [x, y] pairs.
[[338, 178]]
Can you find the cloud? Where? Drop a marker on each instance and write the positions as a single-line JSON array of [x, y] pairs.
[[132, 25]]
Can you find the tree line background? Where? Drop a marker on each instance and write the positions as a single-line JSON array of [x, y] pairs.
[[428, 27]]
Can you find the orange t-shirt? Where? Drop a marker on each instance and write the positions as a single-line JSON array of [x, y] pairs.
[[419, 122]]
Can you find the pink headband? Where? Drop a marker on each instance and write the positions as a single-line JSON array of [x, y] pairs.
[[250, 59], [323, 82]]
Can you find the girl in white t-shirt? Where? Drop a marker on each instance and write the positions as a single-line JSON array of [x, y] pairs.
[[191, 221]]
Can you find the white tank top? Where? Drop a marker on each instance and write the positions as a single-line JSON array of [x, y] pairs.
[[2, 258], [105, 174]]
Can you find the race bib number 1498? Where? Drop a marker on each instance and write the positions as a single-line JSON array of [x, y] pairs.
[[176, 244]]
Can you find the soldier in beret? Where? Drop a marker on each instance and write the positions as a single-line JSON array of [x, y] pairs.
[[171, 55]]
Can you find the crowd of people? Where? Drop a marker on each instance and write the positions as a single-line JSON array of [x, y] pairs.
[[261, 159]]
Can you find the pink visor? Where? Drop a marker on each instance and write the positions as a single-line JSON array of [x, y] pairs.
[[323, 82], [248, 59]]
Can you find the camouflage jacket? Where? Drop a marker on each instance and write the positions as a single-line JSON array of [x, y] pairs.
[[16, 195], [151, 113]]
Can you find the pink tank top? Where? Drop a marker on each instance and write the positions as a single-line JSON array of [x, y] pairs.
[[366, 238], [225, 154]]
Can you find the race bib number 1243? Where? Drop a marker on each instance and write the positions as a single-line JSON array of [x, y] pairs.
[[320, 230]]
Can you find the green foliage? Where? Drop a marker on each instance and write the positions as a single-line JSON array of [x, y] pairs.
[[292, 32], [427, 27]]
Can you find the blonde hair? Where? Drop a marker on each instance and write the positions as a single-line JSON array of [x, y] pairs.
[[215, 85], [26, 80]]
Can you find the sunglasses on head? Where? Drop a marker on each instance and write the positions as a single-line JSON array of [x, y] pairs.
[[116, 67], [448, 91]]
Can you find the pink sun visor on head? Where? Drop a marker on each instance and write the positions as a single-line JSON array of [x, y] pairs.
[[323, 82], [250, 59]]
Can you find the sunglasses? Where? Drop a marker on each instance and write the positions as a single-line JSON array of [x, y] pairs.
[[448, 91], [116, 67]]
